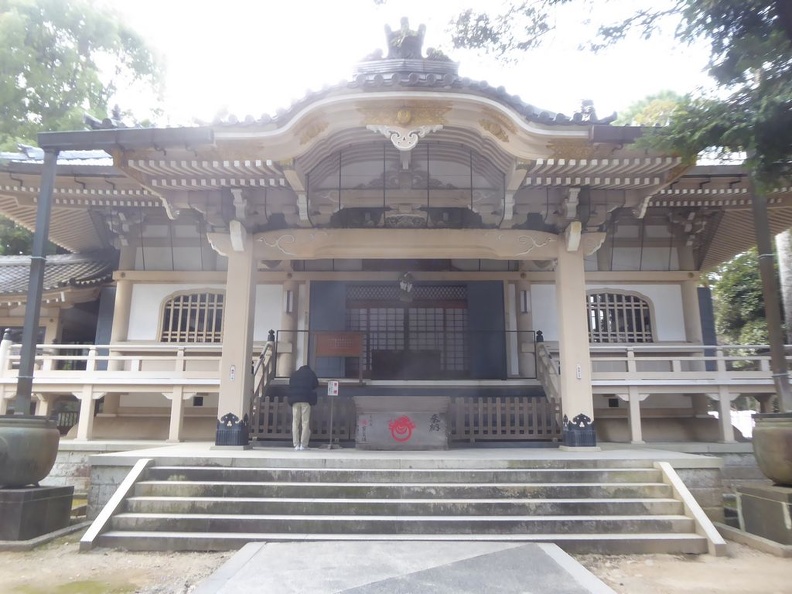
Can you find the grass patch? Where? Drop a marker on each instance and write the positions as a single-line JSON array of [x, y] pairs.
[[81, 587]]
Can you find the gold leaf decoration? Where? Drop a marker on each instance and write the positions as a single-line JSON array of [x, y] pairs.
[[310, 129], [498, 117], [572, 148], [495, 129], [403, 113]]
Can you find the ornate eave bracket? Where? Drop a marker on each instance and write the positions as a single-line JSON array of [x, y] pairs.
[[404, 139]]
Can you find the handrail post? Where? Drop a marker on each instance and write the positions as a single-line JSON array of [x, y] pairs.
[[720, 361], [90, 363], [5, 352], [632, 366], [180, 359]]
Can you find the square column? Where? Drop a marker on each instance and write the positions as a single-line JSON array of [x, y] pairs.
[[577, 404], [236, 379], [287, 338]]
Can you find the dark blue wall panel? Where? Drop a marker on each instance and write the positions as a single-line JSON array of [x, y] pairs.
[[328, 312], [487, 326]]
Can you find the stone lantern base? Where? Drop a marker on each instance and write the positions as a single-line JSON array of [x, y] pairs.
[[29, 512], [765, 511]]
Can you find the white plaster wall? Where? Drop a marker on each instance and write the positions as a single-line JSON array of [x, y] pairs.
[[269, 308], [159, 401], [146, 307], [666, 300], [147, 299]]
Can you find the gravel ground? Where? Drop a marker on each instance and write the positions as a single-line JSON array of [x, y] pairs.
[[58, 568]]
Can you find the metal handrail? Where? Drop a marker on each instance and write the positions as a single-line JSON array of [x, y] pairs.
[[265, 366]]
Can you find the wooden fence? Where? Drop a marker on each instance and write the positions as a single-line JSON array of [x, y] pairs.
[[470, 419]]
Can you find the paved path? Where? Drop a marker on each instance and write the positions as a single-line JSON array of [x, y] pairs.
[[380, 567]]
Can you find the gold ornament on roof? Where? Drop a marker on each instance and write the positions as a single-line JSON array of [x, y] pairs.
[[403, 116], [572, 148], [414, 113], [310, 129], [495, 129]]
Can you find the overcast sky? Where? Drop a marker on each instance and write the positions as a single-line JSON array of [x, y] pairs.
[[254, 57]]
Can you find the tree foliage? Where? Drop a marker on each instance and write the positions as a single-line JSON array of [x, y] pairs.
[[62, 58], [738, 301], [750, 59], [654, 110], [58, 60]]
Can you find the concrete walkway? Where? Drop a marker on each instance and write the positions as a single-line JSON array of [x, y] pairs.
[[380, 567]]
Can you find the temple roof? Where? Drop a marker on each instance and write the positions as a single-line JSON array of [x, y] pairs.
[[407, 67], [62, 271]]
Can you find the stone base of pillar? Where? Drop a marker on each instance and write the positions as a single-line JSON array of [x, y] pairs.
[[579, 432], [232, 431]]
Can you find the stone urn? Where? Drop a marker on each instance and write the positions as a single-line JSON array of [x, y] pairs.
[[28, 448], [772, 445]]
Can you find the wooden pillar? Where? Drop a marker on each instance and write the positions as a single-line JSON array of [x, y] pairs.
[[526, 345], [724, 415], [694, 335], [287, 338], [176, 427], [85, 422], [236, 380], [577, 403], [634, 400], [43, 405], [118, 333]]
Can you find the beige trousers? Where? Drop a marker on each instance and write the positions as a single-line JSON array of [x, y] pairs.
[[301, 424]]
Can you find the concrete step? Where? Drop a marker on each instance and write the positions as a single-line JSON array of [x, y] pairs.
[[411, 475], [400, 491], [606, 544], [370, 524], [315, 458], [423, 507]]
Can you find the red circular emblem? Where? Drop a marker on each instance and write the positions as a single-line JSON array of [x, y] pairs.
[[401, 429]]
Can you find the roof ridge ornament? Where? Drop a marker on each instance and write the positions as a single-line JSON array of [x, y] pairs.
[[404, 43], [405, 62]]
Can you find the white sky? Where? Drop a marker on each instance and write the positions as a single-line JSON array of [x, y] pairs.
[[254, 57]]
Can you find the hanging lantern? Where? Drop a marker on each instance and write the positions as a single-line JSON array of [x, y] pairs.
[[405, 287]]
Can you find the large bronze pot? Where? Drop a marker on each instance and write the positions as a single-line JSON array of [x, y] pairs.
[[28, 448], [772, 445]]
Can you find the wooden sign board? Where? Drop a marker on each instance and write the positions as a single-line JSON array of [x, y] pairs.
[[339, 344]]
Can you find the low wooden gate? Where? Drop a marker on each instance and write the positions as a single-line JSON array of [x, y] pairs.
[[508, 418], [470, 419], [275, 419]]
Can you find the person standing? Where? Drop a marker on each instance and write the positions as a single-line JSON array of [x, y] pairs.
[[302, 396]]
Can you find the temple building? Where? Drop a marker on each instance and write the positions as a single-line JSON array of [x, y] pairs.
[[467, 266]]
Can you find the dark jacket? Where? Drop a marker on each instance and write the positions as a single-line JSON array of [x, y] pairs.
[[302, 386]]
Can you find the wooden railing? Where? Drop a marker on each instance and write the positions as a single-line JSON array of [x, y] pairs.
[[687, 368], [263, 372], [547, 371], [469, 419], [513, 418]]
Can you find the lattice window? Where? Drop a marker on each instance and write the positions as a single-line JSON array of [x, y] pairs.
[[434, 322], [619, 317], [193, 317], [419, 292]]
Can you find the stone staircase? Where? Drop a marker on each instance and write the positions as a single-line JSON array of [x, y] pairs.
[[587, 506]]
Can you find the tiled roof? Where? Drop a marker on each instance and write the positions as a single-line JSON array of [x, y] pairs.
[[60, 271], [421, 74], [33, 154]]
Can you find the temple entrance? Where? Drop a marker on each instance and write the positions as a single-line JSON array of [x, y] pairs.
[[423, 335]]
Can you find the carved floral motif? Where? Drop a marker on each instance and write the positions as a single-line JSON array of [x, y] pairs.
[[414, 113], [402, 138]]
